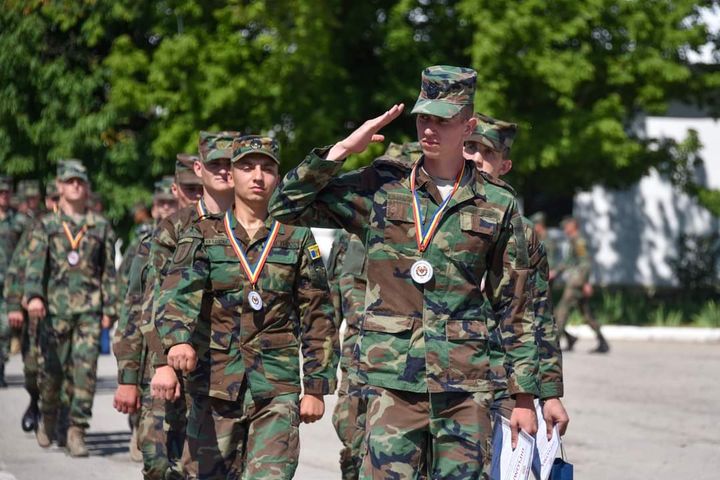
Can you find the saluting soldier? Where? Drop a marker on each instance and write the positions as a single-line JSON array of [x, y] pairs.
[[431, 232], [244, 297], [489, 147], [70, 286]]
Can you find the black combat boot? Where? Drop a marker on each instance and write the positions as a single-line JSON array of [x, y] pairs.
[[602, 347], [571, 339], [30, 417]]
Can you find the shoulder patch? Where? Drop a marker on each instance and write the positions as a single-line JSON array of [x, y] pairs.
[[497, 182]]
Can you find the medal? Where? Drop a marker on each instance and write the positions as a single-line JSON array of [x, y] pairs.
[[252, 272], [255, 300], [421, 272], [73, 258]]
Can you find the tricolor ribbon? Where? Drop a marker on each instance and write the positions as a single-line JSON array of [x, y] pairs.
[[74, 239], [424, 236], [252, 272], [201, 210]]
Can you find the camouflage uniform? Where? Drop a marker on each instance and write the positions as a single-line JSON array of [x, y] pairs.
[[76, 297], [423, 349], [576, 268], [123, 274]]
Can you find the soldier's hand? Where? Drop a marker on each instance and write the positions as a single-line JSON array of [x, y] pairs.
[[523, 417], [359, 140], [36, 308], [587, 290], [106, 322], [554, 413], [182, 357], [312, 408], [127, 399], [16, 319], [164, 384]]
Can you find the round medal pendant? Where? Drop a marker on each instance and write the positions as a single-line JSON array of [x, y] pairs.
[[255, 301], [421, 272], [73, 258]]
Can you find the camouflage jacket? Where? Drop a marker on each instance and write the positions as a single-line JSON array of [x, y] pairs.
[[15, 275], [576, 265], [433, 337], [129, 345], [347, 277], [89, 286], [123, 273], [546, 332], [12, 224], [204, 303]]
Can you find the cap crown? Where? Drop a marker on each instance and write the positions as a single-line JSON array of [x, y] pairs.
[[215, 145], [496, 134], [445, 90], [256, 144]]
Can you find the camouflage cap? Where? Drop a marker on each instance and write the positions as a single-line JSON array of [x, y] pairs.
[[51, 189], [5, 183], [214, 145], [28, 188], [256, 144], [495, 134], [539, 217], [184, 173], [445, 90], [71, 168], [163, 188], [412, 150], [394, 150]]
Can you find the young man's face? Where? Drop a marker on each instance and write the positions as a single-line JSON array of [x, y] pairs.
[[73, 189], [164, 208], [487, 159], [215, 174], [443, 137], [255, 177], [186, 193], [4, 198]]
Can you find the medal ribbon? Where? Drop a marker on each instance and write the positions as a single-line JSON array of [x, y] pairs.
[[424, 236], [253, 273], [74, 239], [201, 210]]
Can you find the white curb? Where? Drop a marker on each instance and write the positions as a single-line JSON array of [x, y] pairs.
[[651, 334]]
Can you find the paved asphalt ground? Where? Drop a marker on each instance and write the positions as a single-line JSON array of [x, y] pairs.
[[647, 410]]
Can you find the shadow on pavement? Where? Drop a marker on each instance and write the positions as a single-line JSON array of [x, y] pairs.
[[107, 443], [106, 385]]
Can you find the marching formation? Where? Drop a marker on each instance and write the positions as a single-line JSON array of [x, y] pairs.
[[228, 323]]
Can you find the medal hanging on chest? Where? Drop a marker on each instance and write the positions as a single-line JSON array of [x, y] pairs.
[[73, 257], [422, 270], [252, 272]]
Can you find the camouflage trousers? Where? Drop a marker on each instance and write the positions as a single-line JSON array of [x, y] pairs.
[[30, 354], [161, 435], [349, 422], [572, 298], [246, 439], [69, 350], [407, 434]]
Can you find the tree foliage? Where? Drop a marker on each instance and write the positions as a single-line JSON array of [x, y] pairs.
[[127, 84]]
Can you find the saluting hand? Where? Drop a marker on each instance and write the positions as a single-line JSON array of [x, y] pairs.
[[312, 408], [36, 308], [164, 384], [359, 140], [182, 357]]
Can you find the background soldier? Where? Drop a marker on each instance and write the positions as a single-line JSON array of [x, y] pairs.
[[576, 268], [239, 343], [70, 286]]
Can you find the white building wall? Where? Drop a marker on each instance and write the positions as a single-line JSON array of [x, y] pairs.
[[632, 233]]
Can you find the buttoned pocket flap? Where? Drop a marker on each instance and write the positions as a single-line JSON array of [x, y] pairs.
[[386, 324], [466, 330]]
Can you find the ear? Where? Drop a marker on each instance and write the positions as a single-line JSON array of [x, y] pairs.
[[198, 168], [470, 126], [506, 166], [174, 189]]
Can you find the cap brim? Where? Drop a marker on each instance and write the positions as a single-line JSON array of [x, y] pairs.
[[187, 178], [221, 154], [256, 152], [476, 137], [70, 177], [436, 108], [164, 196]]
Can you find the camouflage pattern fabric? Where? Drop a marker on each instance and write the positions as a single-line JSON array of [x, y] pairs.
[[246, 439], [255, 144], [432, 338], [12, 224], [445, 90], [400, 425], [204, 302], [496, 134], [161, 436], [123, 273], [70, 346], [71, 168]]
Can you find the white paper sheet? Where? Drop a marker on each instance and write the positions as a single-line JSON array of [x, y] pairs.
[[545, 450], [509, 464]]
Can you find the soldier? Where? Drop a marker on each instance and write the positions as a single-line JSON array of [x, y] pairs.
[[576, 269], [134, 366], [70, 286], [489, 147], [431, 232], [244, 296], [539, 221], [29, 192], [12, 224], [17, 314], [203, 186]]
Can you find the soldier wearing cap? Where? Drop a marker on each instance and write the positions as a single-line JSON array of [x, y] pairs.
[[12, 224], [432, 230], [29, 193], [70, 287], [239, 340], [575, 268], [489, 147]]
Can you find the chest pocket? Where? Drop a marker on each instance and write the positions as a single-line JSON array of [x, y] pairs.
[[399, 231], [280, 269], [226, 273]]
